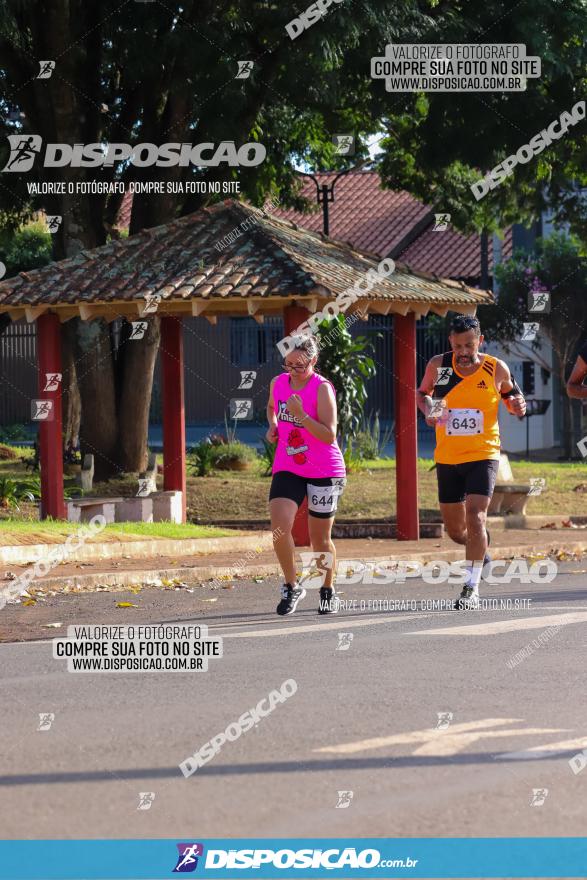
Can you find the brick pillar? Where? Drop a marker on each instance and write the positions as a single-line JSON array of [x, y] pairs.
[[50, 430], [406, 427], [174, 458]]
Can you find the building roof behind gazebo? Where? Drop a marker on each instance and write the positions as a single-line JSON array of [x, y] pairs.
[[193, 267]]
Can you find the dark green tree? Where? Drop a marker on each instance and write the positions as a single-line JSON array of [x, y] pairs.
[[558, 269]]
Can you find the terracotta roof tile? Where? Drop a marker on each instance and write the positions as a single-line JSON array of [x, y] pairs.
[[272, 258], [387, 222], [365, 215], [451, 253]]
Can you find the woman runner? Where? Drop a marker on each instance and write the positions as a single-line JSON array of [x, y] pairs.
[[301, 412]]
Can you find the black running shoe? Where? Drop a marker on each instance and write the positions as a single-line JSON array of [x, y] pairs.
[[468, 600], [290, 596], [328, 601]]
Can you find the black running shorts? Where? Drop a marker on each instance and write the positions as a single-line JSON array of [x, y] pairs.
[[456, 481], [322, 492]]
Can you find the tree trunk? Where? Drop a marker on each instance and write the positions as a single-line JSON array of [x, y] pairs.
[[71, 401], [135, 383], [95, 377]]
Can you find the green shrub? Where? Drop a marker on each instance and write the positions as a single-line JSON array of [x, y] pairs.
[[352, 460], [202, 458], [369, 442], [232, 456], [267, 456]]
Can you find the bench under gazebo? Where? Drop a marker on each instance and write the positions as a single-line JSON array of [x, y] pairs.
[[265, 267]]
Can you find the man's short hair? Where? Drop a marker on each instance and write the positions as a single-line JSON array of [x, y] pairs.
[[462, 323]]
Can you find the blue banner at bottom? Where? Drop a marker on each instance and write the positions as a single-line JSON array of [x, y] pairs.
[[304, 858]]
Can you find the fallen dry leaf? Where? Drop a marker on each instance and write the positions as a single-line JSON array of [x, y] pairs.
[[126, 605], [30, 602], [51, 625], [135, 588]]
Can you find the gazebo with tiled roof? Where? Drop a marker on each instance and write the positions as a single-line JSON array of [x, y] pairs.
[[229, 260]]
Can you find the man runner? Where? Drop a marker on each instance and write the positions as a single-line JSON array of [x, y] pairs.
[[466, 388]]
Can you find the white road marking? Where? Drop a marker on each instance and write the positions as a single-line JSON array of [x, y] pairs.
[[442, 743], [341, 623], [505, 626], [546, 751]]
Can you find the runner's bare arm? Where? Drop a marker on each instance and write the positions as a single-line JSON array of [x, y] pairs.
[[423, 398], [514, 403], [324, 427], [575, 387], [271, 434]]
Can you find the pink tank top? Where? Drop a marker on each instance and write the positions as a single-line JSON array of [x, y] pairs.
[[297, 450]]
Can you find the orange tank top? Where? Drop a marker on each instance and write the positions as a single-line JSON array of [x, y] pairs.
[[471, 431]]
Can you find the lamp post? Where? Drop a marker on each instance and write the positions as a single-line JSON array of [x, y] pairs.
[[325, 191]]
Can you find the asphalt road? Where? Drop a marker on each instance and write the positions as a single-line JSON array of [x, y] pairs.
[[364, 719]]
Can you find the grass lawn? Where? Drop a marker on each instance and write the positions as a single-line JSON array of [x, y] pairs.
[[370, 494], [15, 531]]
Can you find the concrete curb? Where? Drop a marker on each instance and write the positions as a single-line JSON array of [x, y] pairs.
[[21, 554], [120, 580]]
